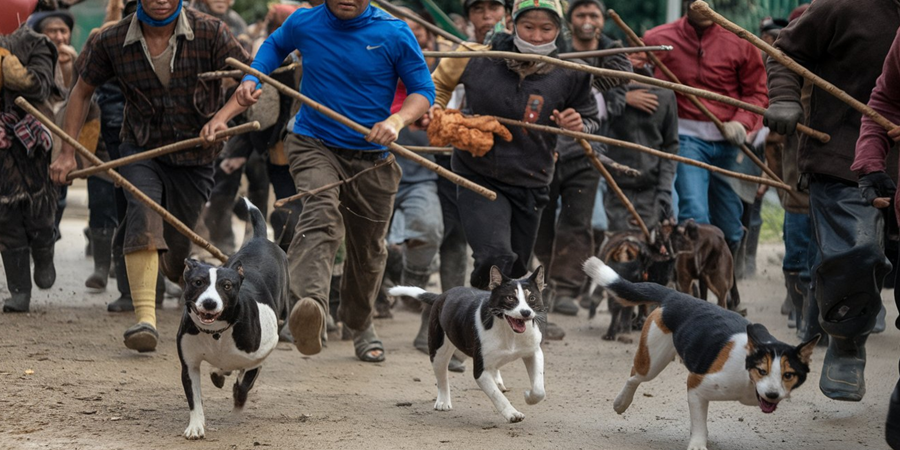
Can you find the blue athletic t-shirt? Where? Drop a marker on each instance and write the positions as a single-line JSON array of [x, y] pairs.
[[351, 66]]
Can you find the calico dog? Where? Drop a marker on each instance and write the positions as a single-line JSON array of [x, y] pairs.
[[729, 358], [492, 327], [232, 315]]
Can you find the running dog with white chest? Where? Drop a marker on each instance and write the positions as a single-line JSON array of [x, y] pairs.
[[729, 358], [494, 328], [231, 317]]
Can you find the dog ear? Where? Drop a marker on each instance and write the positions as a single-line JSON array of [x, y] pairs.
[[758, 335], [693, 231], [189, 265], [239, 267], [805, 349], [497, 278], [538, 278]]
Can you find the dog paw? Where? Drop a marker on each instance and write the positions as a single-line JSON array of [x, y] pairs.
[[621, 404], [194, 431], [513, 416], [218, 380], [534, 397], [442, 405]]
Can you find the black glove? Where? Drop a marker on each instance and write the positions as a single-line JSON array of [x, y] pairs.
[[876, 184], [664, 205], [782, 117]]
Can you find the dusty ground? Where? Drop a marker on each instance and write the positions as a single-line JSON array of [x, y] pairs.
[[66, 381]]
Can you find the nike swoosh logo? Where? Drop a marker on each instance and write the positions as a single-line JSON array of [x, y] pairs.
[[373, 47]]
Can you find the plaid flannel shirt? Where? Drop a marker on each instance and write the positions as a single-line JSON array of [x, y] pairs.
[[156, 115]]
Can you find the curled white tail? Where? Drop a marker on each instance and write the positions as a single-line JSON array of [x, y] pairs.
[[599, 272], [409, 291]]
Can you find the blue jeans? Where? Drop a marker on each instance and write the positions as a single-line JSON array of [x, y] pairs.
[[599, 220], [797, 233], [705, 197], [418, 224]]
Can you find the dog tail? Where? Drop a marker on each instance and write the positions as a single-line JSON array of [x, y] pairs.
[[626, 292], [245, 210], [415, 292]]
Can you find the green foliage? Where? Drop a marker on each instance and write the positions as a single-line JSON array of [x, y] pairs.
[[773, 222], [251, 10]]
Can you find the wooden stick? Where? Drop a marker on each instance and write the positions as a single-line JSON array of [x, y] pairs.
[[703, 8], [429, 150], [328, 186], [633, 37], [164, 150], [399, 13], [614, 51], [611, 182], [334, 115], [121, 181], [641, 148], [626, 75], [238, 74]]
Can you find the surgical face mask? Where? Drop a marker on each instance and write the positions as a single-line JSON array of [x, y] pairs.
[[528, 48]]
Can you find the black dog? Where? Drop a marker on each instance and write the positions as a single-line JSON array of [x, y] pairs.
[[232, 316]]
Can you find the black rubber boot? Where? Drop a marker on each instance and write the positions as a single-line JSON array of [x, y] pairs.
[[796, 292], [892, 426], [101, 241], [44, 270], [849, 322], [810, 321], [17, 265], [88, 251], [880, 324]]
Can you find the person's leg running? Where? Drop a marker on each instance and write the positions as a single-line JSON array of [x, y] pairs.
[[692, 183], [487, 227]]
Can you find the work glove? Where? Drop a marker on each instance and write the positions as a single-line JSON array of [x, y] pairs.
[[876, 184], [664, 205], [15, 76], [782, 117], [734, 133]]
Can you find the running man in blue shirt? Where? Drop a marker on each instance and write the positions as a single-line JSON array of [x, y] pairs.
[[353, 56]]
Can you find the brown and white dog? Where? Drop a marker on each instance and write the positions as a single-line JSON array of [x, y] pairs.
[[729, 358]]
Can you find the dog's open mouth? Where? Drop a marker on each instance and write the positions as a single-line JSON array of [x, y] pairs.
[[208, 317], [765, 406], [517, 325]]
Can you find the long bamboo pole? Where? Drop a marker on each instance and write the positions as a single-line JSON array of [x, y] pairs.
[[635, 40], [334, 115], [614, 51], [238, 74], [823, 137], [611, 182], [703, 8], [121, 181], [164, 150], [640, 148]]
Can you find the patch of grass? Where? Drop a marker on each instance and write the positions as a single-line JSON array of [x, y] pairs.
[[773, 221]]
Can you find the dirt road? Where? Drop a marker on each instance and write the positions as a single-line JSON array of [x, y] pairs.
[[66, 381]]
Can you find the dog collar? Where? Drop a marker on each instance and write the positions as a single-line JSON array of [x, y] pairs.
[[216, 334]]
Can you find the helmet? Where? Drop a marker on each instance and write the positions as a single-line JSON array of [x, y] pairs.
[[16, 12], [521, 6]]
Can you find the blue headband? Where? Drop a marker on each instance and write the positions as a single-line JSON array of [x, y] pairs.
[[143, 17]]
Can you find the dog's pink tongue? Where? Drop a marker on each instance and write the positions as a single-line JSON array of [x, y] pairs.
[[518, 325], [767, 407]]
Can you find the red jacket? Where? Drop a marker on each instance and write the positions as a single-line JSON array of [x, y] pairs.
[[719, 62], [874, 145]]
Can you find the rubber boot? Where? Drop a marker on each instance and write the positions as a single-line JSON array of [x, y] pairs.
[[751, 244], [880, 324], [88, 250], [811, 324], [44, 270], [848, 322], [796, 292], [18, 276], [101, 241], [892, 426]]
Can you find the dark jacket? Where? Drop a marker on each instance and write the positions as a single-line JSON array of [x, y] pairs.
[[24, 175], [492, 88], [845, 42]]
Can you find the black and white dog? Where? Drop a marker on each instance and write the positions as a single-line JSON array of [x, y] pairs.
[[729, 359], [494, 328], [231, 316]]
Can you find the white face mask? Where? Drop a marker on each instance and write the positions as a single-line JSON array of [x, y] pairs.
[[528, 48]]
